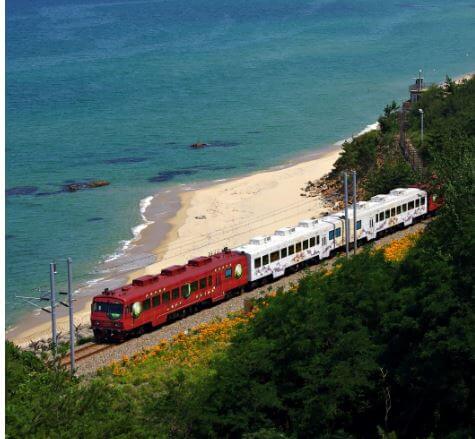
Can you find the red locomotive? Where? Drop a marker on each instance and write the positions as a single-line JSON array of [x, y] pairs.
[[150, 301]]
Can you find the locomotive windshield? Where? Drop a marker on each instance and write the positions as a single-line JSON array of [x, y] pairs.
[[113, 310]]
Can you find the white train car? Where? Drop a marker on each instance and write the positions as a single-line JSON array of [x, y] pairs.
[[315, 239]]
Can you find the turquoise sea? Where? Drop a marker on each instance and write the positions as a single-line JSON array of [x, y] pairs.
[[118, 90]]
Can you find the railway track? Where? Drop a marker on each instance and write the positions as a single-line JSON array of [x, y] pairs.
[[85, 351], [221, 309]]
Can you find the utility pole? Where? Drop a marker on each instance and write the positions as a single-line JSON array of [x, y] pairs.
[[347, 238], [52, 280], [71, 315], [50, 296], [355, 237], [421, 111]]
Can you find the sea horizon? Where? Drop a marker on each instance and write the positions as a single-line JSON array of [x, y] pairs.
[[87, 101]]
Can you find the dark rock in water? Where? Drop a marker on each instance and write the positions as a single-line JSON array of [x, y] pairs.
[[169, 175], [198, 145], [74, 187], [98, 183], [9, 236], [21, 190], [94, 218], [214, 144], [126, 160], [170, 143]]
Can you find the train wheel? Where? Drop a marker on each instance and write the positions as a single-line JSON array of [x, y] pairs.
[[98, 336]]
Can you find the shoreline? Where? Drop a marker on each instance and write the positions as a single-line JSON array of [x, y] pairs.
[[205, 224], [166, 239]]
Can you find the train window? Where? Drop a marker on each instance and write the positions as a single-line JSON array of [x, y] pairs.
[[423, 201], [305, 244], [417, 202], [312, 242], [155, 301], [166, 297], [265, 259], [318, 239], [228, 273], [377, 218], [113, 310], [274, 256], [146, 304], [358, 225], [291, 249], [210, 281], [393, 211], [386, 214], [100, 306], [331, 234], [398, 210], [194, 286], [381, 216], [410, 206], [185, 291], [404, 207], [175, 293], [338, 232], [298, 247], [202, 283], [283, 253], [257, 262]]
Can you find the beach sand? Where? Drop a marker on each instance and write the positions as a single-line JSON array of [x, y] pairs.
[[230, 213], [210, 218]]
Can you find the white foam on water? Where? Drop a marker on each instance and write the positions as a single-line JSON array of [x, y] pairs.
[[92, 282], [220, 180], [136, 230], [366, 129]]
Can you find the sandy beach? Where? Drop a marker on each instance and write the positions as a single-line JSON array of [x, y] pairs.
[[230, 213], [210, 218]]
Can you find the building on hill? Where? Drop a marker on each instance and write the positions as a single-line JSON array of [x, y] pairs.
[[416, 89]]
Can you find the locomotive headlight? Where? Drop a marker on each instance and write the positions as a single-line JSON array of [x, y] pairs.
[[136, 309], [238, 271]]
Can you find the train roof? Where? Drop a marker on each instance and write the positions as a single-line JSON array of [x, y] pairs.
[[286, 234], [171, 277]]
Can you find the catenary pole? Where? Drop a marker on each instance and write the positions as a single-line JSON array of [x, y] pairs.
[[347, 240], [355, 237], [71, 315], [53, 304], [421, 111]]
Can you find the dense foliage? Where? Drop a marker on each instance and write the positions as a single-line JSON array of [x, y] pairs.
[[383, 345]]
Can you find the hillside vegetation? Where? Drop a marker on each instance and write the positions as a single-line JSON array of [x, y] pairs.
[[381, 346]]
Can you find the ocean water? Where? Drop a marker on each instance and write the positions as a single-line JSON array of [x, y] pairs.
[[118, 90]]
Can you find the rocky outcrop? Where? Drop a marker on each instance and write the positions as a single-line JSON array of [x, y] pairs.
[[198, 145], [74, 187]]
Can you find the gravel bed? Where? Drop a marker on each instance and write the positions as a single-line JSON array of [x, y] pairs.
[[90, 365]]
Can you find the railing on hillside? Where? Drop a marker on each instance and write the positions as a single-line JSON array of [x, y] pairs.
[[409, 152]]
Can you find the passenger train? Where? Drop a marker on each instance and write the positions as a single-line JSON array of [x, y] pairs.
[[152, 300]]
